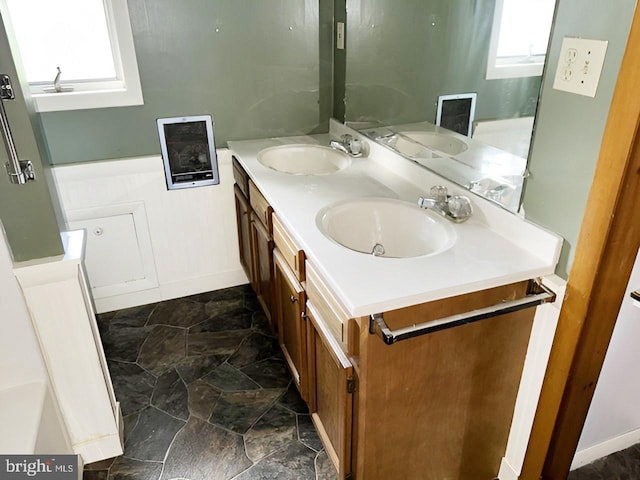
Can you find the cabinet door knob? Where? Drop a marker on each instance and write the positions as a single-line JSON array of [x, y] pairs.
[[293, 299], [304, 316]]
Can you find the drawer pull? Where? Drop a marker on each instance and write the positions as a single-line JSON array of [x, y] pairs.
[[537, 294], [293, 299]]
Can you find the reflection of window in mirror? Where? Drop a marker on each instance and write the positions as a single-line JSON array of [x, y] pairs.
[[519, 38]]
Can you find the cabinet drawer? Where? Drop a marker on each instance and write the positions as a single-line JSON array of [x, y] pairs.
[[240, 176], [293, 256], [333, 314], [260, 206]]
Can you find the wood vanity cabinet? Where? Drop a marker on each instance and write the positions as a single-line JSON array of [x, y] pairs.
[[255, 242], [292, 331], [243, 219], [262, 254], [243, 212], [439, 405], [431, 407], [289, 304], [331, 391]]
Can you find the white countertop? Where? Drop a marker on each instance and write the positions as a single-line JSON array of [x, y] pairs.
[[493, 248]]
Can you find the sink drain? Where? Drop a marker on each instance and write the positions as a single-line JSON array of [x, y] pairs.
[[378, 250]]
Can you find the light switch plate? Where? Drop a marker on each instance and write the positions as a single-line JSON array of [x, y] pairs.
[[580, 65], [340, 35]]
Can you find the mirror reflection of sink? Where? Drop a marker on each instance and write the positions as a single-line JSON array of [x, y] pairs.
[[304, 159], [438, 141], [386, 227]]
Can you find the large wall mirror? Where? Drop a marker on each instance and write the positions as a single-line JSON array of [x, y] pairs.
[[402, 55]]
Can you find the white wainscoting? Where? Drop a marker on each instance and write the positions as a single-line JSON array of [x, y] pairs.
[[186, 239]]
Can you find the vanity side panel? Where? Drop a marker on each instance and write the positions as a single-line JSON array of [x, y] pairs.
[[440, 405]]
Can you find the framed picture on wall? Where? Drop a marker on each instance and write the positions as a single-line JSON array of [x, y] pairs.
[[456, 112], [188, 151]]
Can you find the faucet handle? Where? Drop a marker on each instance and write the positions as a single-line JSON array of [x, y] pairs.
[[460, 207], [439, 193]]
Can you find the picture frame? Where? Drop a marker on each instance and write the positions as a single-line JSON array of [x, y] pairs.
[[457, 112], [188, 151]]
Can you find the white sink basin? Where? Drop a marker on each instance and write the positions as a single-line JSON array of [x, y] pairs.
[[304, 159], [386, 227], [438, 141]]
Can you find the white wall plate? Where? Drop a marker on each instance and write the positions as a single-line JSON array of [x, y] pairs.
[[580, 65]]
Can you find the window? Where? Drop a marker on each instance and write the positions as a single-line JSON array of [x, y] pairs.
[[519, 38], [92, 44]]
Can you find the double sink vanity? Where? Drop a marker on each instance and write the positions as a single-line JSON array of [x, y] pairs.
[[404, 326]]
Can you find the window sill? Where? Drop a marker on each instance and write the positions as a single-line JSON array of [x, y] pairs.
[[81, 100]]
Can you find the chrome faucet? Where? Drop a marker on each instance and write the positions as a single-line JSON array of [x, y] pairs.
[[349, 145], [456, 208]]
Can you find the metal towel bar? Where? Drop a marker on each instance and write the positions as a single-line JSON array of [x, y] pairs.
[[537, 294], [20, 171]]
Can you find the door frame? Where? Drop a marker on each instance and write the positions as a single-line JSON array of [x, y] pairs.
[[606, 250]]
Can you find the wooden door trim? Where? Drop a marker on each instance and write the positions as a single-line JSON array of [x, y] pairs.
[[606, 249]]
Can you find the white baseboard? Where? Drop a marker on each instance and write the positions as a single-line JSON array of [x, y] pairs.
[[507, 472], [613, 445], [207, 283], [168, 291]]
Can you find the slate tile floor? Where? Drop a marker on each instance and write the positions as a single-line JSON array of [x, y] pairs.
[[623, 465], [205, 395]]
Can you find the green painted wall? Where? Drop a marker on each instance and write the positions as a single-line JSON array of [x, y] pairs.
[[256, 66], [569, 127], [398, 63], [27, 212]]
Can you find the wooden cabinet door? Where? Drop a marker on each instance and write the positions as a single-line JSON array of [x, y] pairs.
[[331, 387], [244, 233], [262, 264], [289, 300]]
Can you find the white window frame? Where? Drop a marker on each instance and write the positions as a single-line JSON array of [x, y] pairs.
[[125, 90], [496, 68]]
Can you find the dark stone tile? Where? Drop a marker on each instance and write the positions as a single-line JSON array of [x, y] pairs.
[[251, 302], [623, 465], [271, 373], [170, 395], [238, 411], [105, 316], [308, 434], [151, 437], [294, 462], [202, 399], [204, 452], [95, 474], [178, 313], [293, 401], [238, 319], [260, 323], [130, 421], [225, 306], [255, 348], [123, 342], [223, 294], [273, 431], [215, 343], [101, 465], [324, 468], [132, 317], [129, 469], [132, 385], [164, 347], [194, 367], [230, 379]]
